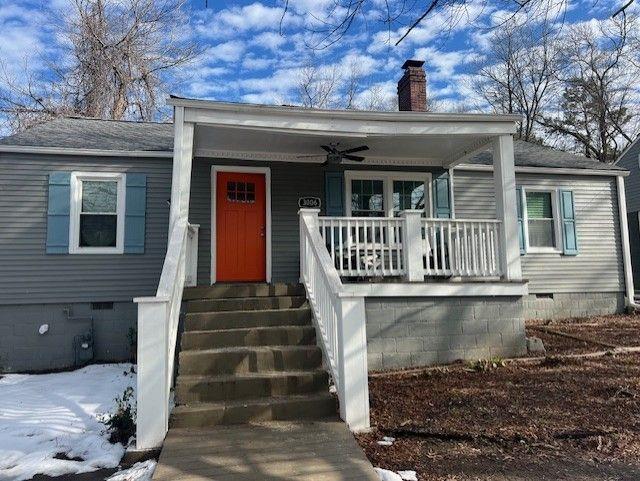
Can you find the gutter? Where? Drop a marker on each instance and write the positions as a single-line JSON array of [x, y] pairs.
[[21, 149], [547, 170]]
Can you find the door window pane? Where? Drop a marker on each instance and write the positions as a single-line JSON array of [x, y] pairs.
[[407, 194], [367, 198], [540, 219]]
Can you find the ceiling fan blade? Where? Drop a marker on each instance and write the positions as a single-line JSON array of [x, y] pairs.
[[327, 148], [356, 149], [357, 158], [310, 156]]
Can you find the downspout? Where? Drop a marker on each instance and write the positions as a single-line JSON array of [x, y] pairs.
[[626, 250]]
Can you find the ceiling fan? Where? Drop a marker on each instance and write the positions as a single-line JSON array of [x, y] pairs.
[[335, 156]]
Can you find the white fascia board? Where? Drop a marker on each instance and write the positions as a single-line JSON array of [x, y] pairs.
[[22, 149], [271, 110], [311, 122], [437, 289], [548, 170]]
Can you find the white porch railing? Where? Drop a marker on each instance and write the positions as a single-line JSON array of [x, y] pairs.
[[340, 319], [364, 246], [412, 246], [158, 319], [461, 248]]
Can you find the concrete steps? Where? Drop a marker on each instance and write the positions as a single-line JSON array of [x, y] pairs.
[[249, 353], [231, 387], [285, 408], [246, 304], [202, 321], [249, 336], [235, 291]]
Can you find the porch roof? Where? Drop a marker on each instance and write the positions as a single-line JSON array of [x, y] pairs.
[[294, 134]]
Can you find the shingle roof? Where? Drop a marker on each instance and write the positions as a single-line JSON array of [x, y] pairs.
[[82, 133], [527, 154]]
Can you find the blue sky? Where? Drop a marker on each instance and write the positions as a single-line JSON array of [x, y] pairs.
[[246, 59]]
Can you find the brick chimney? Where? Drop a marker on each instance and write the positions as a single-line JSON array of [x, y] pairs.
[[412, 87]]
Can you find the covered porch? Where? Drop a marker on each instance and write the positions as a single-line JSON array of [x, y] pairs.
[[385, 227]]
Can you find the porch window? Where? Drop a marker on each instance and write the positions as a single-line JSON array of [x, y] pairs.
[[97, 213], [408, 194], [367, 198], [386, 194], [541, 219]]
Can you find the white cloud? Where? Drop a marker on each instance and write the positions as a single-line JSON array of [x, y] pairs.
[[230, 51], [442, 65]]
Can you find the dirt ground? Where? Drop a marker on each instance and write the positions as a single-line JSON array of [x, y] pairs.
[[552, 419]]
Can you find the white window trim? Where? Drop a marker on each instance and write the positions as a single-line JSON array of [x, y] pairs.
[[555, 208], [387, 178], [76, 204]]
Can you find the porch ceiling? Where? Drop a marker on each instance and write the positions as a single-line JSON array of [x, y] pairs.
[[257, 144], [258, 132]]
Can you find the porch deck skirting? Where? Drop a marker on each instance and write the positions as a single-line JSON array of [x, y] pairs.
[[422, 331]]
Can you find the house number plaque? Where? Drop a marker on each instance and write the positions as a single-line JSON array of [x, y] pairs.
[[309, 202]]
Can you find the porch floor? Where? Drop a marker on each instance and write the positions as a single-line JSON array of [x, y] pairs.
[[275, 451]]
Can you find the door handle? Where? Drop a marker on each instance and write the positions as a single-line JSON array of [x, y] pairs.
[[262, 231]]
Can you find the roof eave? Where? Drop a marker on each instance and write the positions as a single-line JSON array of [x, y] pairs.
[[28, 149]]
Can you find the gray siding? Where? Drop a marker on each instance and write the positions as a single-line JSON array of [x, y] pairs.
[[630, 161], [29, 275], [597, 268]]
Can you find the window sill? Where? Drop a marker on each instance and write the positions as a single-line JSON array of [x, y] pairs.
[[96, 250], [543, 250]]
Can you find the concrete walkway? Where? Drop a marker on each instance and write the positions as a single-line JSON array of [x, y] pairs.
[[278, 451]]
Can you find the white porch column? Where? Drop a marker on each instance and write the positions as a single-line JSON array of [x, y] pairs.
[[182, 161], [626, 250], [412, 245], [504, 178]]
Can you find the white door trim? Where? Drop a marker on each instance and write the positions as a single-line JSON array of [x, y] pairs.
[[267, 181]]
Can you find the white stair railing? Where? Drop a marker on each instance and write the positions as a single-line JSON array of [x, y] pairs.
[[340, 320], [158, 319]]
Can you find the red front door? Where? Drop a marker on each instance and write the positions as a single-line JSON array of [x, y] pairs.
[[240, 227]]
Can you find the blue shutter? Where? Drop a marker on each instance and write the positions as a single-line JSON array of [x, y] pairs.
[[58, 213], [135, 212], [334, 193], [441, 199], [523, 246], [569, 237]]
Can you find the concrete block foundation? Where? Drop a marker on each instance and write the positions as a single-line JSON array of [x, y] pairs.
[[411, 332], [24, 348]]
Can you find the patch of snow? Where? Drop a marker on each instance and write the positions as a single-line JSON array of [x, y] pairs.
[[138, 472], [408, 475], [386, 475], [45, 415], [386, 441]]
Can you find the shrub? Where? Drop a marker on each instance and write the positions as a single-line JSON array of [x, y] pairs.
[[121, 425]]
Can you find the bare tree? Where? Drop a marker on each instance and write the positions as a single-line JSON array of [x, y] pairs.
[[519, 74], [119, 51], [596, 114], [340, 87], [402, 17]]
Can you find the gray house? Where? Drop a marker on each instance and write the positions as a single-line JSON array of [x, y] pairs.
[[378, 239], [630, 160]]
